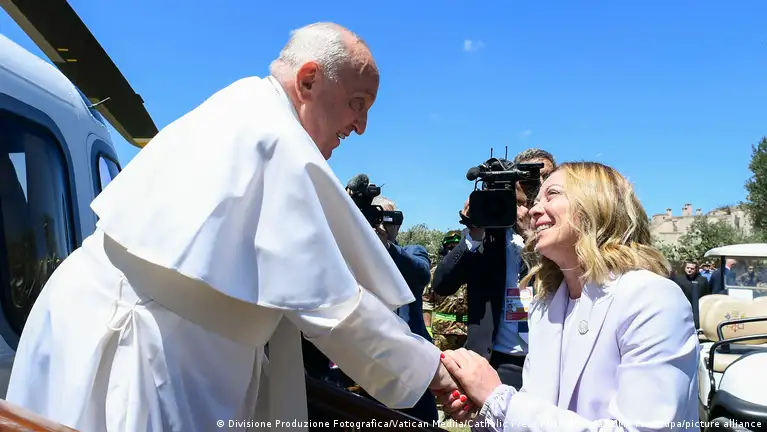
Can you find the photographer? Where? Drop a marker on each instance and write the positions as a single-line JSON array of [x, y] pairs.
[[489, 262], [535, 155], [414, 264]]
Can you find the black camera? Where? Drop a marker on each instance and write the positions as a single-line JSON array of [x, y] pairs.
[[494, 205], [362, 193]]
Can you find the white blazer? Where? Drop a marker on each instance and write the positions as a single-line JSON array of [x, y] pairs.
[[631, 364]]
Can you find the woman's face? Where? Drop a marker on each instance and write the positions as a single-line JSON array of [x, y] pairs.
[[552, 221]]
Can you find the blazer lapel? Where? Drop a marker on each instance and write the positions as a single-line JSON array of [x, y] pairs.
[[590, 316], [546, 346]]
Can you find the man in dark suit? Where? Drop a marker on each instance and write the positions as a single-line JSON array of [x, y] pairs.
[[694, 286], [718, 286], [689, 278]]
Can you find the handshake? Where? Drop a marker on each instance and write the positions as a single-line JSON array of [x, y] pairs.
[[463, 382]]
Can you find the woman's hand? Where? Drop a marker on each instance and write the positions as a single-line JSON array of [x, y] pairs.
[[473, 374], [447, 391]]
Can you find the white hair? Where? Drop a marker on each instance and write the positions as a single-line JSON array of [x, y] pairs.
[[384, 202], [323, 43]]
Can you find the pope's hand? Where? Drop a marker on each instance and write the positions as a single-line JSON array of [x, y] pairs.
[[442, 381]]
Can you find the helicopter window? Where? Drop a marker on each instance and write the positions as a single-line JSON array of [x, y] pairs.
[[35, 214], [108, 170]]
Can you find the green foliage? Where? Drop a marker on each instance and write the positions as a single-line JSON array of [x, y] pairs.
[[756, 187], [668, 251], [420, 234], [702, 235]]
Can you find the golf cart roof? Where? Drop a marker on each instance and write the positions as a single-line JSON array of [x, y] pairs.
[[739, 250]]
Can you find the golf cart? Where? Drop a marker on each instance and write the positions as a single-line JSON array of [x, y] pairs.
[[732, 327]]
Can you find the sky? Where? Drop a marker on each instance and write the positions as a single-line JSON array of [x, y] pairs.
[[672, 94]]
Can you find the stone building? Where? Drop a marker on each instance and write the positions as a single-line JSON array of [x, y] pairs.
[[668, 228]]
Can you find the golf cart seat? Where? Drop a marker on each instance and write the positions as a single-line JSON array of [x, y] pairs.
[[741, 395], [716, 310], [704, 307]]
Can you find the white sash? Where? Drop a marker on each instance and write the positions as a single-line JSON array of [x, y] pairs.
[[287, 398]]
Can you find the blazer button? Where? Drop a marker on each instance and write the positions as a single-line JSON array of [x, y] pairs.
[[583, 327]]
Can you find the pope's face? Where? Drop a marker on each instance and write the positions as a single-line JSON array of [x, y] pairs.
[[332, 110]]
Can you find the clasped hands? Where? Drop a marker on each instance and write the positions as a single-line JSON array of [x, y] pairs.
[[463, 383]]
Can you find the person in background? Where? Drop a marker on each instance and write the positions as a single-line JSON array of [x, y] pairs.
[[536, 155], [612, 341], [750, 278], [450, 312], [689, 278], [729, 277], [705, 271], [414, 264]]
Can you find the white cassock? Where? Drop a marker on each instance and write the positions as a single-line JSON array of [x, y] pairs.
[[228, 231]]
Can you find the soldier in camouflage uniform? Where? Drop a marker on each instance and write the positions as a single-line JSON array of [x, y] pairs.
[[450, 313]]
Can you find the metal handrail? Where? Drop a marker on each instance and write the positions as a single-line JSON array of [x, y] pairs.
[[712, 352]]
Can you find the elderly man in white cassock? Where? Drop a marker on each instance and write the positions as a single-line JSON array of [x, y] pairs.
[[227, 232]]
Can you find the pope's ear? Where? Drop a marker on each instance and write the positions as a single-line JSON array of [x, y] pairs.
[[306, 80]]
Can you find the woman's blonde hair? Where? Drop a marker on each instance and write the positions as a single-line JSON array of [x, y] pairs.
[[611, 225]]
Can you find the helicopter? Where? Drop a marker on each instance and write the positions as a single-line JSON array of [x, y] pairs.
[[56, 153]]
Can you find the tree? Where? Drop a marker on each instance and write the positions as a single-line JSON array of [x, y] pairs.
[[669, 251], [756, 187], [420, 234], [702, 235]]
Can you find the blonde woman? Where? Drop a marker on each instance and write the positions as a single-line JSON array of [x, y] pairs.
[[612, 341]]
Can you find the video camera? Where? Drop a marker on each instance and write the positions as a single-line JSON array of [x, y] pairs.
[[494, 205], [362, 193]]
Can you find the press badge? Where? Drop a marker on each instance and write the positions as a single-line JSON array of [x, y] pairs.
[[517, 304]]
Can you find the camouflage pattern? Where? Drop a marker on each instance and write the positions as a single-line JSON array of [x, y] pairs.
[[447, 333], [427, 297]]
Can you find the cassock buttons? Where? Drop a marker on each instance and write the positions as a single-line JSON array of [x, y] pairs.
[[583, 327]]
